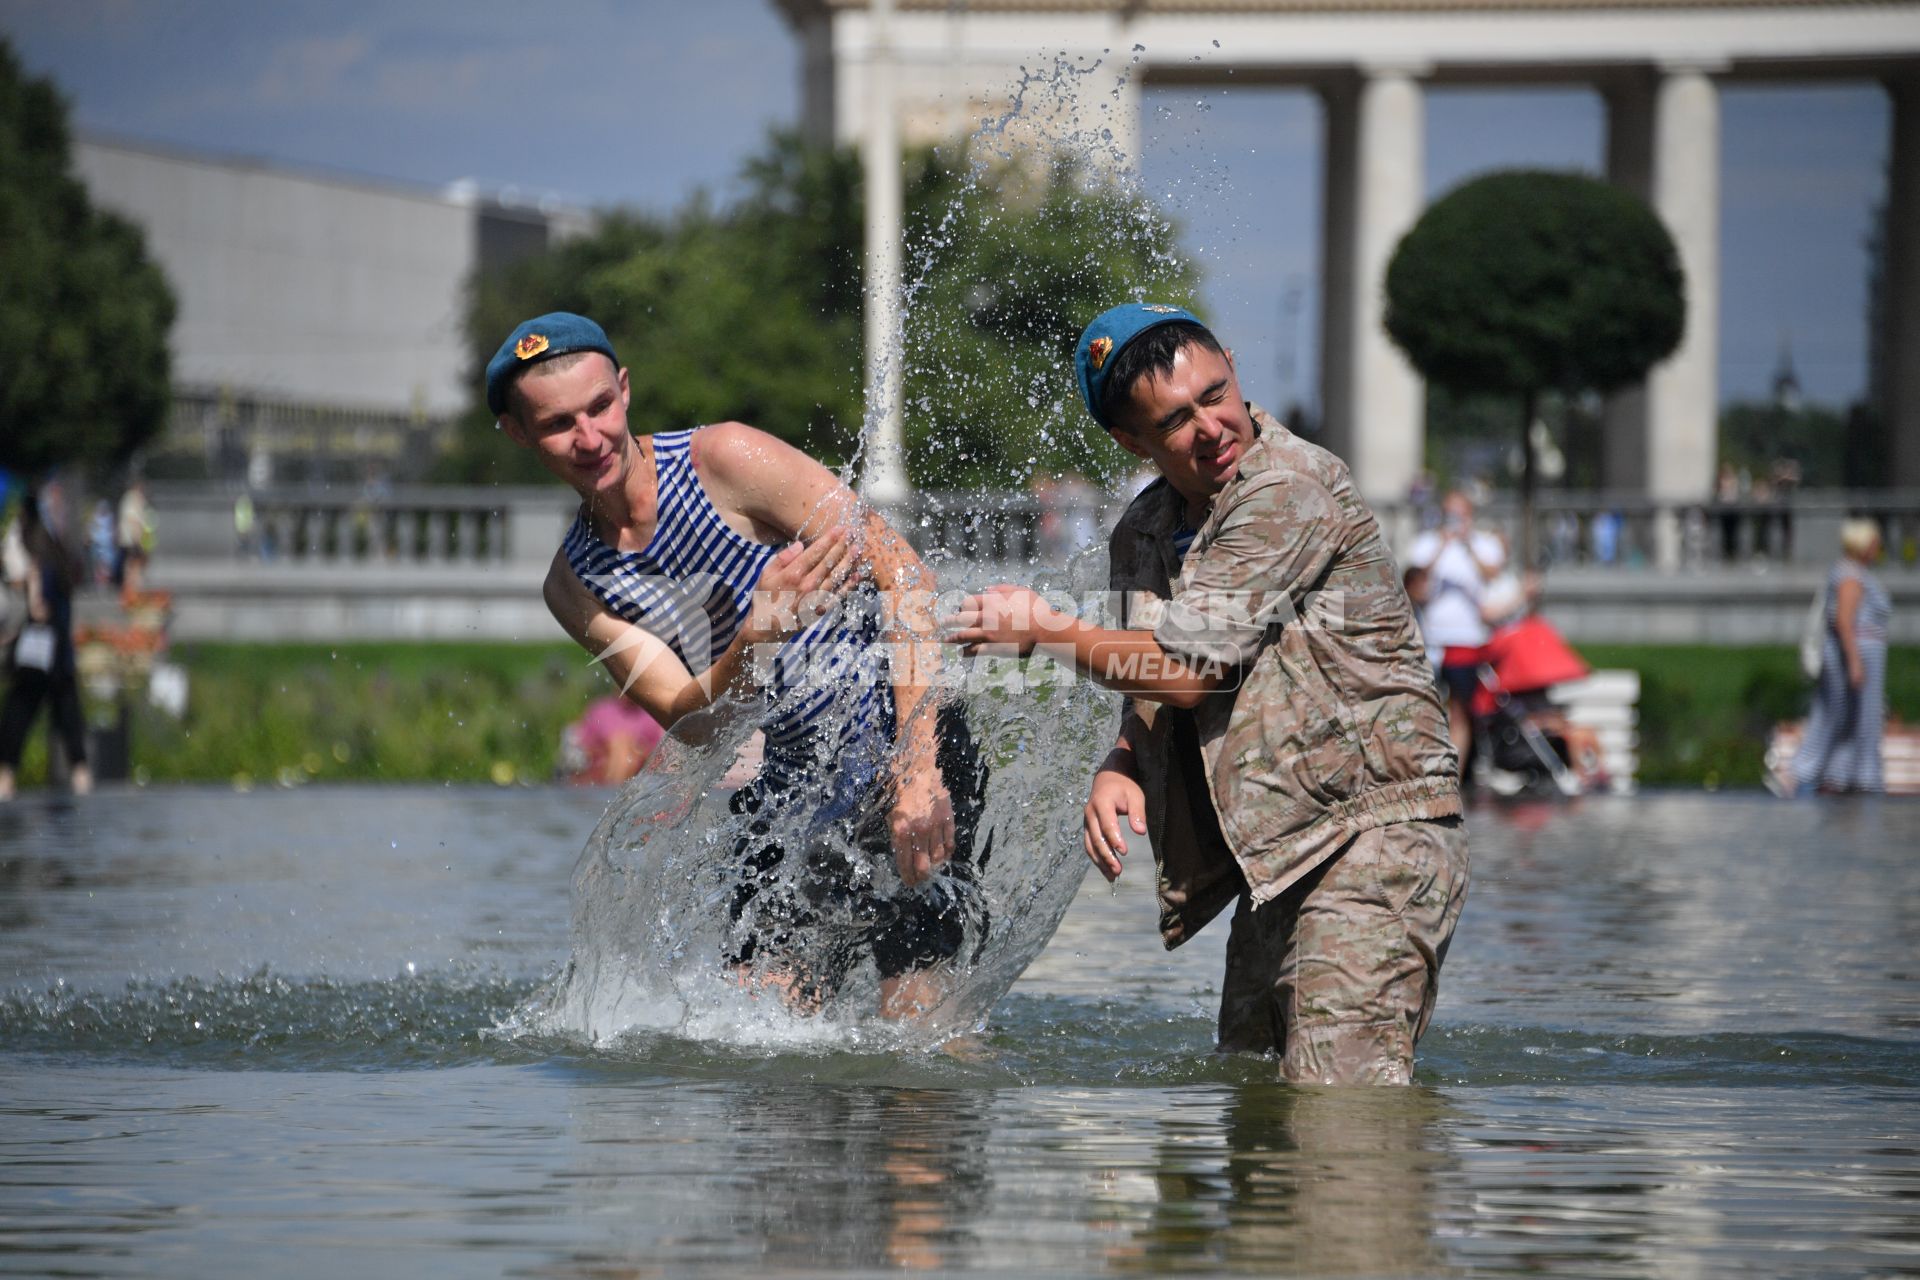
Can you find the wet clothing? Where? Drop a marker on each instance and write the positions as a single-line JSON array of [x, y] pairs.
[[1326, 730], [829, 703], [1339, 973], [1329, 724], [829, 721], [818, 919], [1841, 749]]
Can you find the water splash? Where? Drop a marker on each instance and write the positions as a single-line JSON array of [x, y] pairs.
[[655, 940]]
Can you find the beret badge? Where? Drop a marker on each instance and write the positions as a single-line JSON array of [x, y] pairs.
[[1098, 350], [530, 346]]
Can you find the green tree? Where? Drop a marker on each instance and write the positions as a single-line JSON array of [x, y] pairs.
[[1524, 282], [754, 311], [84, 370], [1755, 435], [1006, 264]]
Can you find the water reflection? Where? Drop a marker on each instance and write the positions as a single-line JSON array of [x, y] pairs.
[[1309, 1180], [812, 1177]]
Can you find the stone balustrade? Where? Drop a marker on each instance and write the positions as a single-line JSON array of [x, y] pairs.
[[426, 525]]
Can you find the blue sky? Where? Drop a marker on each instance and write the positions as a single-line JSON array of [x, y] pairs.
[[604, 101]]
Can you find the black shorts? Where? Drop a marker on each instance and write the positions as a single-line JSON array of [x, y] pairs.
[[1460, 682], [819, 920]]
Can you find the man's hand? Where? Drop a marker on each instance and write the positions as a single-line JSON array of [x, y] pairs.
[[796, 584], [1004, 620], [1116, 794], [922, 826]]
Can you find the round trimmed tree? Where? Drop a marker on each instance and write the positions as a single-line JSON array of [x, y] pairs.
[[1524, 282]]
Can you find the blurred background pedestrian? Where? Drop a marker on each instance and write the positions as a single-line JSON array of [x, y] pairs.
[[42, 658], [1841, 750]]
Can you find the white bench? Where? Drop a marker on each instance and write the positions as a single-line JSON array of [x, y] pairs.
[[1607, 702], [1899, 756]]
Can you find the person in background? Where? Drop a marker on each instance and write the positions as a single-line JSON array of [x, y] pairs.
[[1460, 560], [134, 539], [244, 544], [1419, 591], [100, 548], [42, 652], [1727, 491], [1841, 750], [609, 743]]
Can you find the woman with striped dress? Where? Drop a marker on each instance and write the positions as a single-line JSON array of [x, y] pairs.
[[684, 573], [1841, 750]]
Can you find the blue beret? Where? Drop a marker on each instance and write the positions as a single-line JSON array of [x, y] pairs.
[[541, 338], [1102, 342]]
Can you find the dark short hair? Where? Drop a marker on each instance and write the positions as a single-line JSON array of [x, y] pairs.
[[510, 400], [1151, 355]]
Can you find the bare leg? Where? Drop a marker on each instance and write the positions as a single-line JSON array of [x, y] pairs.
[[1460, 729], [914, 994], [795, 993], [81, 779], [6, 783]]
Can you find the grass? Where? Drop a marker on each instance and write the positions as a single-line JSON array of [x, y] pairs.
[[289, 713], [1705, 710], [479, 712]]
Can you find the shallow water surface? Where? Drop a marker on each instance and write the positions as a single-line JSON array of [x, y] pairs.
[[252, 1033]]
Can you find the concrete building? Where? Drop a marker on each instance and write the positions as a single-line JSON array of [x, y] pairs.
[[320, 327], [874, 70]]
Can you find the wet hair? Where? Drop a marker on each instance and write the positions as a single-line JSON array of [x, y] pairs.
[[1150, 356], [552, 364]]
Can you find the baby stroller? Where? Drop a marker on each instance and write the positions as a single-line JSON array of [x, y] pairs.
[[1526, 742]]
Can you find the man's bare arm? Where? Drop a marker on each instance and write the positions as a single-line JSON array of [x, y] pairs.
[[647, 669]]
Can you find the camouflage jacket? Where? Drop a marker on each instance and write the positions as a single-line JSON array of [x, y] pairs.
[[1328, 723]]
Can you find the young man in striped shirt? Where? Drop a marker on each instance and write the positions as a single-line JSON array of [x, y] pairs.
[[687, 568]]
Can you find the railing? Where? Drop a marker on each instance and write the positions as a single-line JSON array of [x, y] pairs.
[[486, 526], [1632, 531], [415, 525]]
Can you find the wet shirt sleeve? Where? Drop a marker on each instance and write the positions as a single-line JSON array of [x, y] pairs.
[[1268, 549]]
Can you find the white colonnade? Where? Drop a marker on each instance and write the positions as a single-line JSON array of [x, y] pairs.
[[1658, 65]]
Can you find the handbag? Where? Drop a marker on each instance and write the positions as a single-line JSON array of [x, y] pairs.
[[1813, 636], [33, 651]]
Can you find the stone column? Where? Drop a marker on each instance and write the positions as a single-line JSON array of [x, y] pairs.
[[1623, 445], [817, 73], [1683, 393], [886, 469], [1900, 339], [1372, 401], [1339, 107], [1664, 143]]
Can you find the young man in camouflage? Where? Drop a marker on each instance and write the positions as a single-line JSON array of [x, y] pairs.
[[1281, 744]]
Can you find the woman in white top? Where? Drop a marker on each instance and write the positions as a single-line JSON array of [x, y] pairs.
[[1460, 560]]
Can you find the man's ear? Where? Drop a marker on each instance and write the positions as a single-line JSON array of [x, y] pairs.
[[1128, 441], [511, 425], [626, 392]]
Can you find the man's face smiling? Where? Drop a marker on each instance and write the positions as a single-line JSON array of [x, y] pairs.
[[575, 418], [1190, 423]]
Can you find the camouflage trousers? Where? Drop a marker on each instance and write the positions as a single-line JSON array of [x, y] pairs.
[[1338, 975]]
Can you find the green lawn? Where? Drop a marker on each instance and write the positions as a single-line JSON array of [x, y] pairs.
[[264, 714], [1705, 711], [459, 712]]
